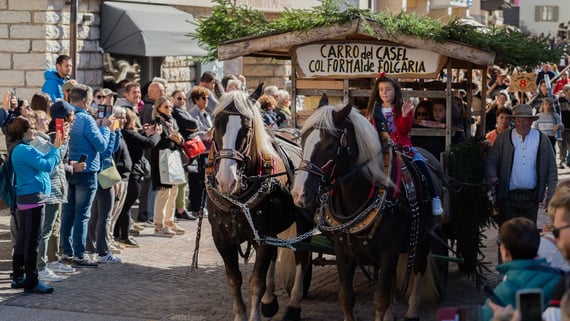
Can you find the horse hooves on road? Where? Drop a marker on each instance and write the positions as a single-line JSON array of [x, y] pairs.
[[270, 309], [292, 314]]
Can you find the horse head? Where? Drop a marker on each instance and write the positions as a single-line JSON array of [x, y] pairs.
[[239, 137], [336, 142]]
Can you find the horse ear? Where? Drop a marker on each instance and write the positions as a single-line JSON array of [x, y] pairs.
[[256, 93], [340, 115], [324, 101]]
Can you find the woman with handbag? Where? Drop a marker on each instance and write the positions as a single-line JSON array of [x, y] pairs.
[[165, 159], [138, 141], [97, 229], [188, 125]]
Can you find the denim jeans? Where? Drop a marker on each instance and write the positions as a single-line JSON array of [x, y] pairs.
[[97, 238], [76, 212]]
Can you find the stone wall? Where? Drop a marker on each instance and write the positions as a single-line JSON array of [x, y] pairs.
[[270, 71]]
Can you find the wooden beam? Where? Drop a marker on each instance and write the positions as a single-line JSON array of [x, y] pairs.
[[248, 46]]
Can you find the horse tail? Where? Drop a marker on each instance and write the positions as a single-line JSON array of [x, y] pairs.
[[286, 263], [431, 282]]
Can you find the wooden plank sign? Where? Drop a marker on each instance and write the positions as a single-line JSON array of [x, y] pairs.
[[525, 82], [361, 59]]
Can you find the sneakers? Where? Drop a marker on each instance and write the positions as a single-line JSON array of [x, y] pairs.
[[114, 248], [185, 215], [59, 267], [17, 283], [66, 258], [164, 231], [561, 165], [175, 228], [47, 275], [84, 262], [40, 288], [109, 258], [138, 227], [436, 208], [128, 242]]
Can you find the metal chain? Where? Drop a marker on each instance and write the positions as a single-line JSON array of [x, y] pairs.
[[347, 225], [289, 242], [266, 186]]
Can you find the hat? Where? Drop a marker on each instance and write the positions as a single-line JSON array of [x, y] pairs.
[[67, 85], [523, 111], [61, 109], [108, 92], [504, 93]]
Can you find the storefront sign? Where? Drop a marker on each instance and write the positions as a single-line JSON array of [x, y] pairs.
[[365, 59], [525, 81]]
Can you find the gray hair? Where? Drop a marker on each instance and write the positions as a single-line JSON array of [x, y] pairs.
[[271, 91], [80, 92]]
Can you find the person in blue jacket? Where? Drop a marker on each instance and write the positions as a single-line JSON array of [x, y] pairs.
[[519, 241], [32, 169], [56, 77]]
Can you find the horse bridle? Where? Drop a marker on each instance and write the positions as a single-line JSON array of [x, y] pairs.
[[230, 153]]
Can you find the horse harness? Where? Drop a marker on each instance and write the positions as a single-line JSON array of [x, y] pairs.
[[365, 222]]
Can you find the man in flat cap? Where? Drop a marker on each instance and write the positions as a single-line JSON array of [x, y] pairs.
[[522, 166]]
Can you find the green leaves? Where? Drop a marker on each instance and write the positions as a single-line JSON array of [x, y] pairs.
[[230, 21]]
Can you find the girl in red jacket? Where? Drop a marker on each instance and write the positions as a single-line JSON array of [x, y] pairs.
[[387, 112]]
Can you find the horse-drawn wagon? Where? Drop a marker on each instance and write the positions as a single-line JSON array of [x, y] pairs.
[[342, 60]]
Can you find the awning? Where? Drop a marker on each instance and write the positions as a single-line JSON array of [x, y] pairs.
[[147, 30]]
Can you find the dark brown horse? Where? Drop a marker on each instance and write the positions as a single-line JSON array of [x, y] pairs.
[[247, 182], [371, 219]]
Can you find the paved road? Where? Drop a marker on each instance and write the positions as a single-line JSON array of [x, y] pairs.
[[155, 282]]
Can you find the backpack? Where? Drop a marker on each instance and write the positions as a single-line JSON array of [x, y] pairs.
[[7, 181]]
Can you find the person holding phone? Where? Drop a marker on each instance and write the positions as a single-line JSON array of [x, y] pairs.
[[32, 169], [388, 113], [519, 241]]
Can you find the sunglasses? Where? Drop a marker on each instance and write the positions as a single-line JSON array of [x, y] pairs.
[[180, 98], [556, 231], [99, 97], [205, 98]]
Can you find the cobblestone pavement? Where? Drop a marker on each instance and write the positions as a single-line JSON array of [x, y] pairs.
[[155, 282]]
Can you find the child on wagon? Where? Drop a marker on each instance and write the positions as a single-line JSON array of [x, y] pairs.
[[387, 112]]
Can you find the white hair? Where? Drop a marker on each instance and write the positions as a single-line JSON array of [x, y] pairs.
[[368, 142]]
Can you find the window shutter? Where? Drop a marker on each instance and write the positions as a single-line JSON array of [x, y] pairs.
[[537, 13], [555, 13]]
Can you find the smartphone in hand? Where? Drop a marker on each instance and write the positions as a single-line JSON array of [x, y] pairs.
[[59, 125], [529, 303], [83, 158], [101, 111]]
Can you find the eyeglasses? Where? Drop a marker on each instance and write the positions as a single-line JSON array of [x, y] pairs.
[[99, 97], [556, 230]]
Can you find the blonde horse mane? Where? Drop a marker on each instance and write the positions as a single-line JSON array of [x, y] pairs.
[[370, 150], [261, 141]]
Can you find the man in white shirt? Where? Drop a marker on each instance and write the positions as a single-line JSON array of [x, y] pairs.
[[522, 166]]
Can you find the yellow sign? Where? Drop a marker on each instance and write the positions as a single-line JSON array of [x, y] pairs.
[[348, 60], [525, 81]]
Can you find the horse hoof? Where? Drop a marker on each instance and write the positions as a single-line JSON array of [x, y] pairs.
[[292, 314], [411, 319], [270, 309]]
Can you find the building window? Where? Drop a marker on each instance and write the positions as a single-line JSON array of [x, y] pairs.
[[546, 13]]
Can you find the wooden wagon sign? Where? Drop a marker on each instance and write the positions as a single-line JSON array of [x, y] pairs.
[[354, 60]]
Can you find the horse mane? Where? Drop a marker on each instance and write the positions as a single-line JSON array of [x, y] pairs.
[[261, 141], [370, 149]]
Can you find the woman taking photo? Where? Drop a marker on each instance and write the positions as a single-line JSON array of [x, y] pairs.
[[32, 170]]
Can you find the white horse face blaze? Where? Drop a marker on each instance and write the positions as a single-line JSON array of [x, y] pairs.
[[227, 169], [298, 191]]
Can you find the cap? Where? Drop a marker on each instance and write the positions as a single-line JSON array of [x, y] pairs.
[[523, 111], [108, 92], [61, 109]]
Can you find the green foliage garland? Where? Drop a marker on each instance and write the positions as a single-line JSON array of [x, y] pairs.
[[230, 21], [471, 208]]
